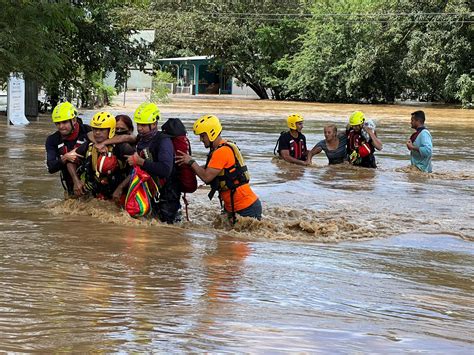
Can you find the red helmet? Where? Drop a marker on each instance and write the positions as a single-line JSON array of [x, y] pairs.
[[364, 150], [106, 164]]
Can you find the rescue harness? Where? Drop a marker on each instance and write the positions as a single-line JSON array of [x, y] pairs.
[[229, 178]]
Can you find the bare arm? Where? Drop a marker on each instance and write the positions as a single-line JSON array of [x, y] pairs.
[[377, 143], [119, 190], [205, 174], [121, 138], [117, 139], [316, 150]]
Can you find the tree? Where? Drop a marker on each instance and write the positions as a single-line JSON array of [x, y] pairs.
[[439, 50], [248, 39], [67, 46], [29, 33], [377, 51]]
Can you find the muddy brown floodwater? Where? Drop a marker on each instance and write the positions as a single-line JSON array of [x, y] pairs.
[[345, 260]]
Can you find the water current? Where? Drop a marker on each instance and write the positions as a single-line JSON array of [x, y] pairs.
[[345, 259]]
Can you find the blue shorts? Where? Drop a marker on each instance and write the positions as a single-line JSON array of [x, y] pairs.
[[254, 210]]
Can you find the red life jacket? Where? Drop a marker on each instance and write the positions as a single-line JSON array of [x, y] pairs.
[[297, 150], [415, 135], [355, 141], [185, 174]]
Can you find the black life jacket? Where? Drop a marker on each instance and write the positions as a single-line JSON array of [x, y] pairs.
[[229, 178], [146, 154], [66, 179]]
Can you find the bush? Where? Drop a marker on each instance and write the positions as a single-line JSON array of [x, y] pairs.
[[161, 88], [104, 93], [465, 91]]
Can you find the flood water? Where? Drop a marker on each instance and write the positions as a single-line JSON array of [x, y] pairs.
[[345, 260]]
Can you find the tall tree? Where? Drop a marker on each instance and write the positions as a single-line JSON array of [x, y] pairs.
[[67, 45], [248, 38], [377, 51], [29, 32]]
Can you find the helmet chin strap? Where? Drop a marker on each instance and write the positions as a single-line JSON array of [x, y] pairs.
[[71, 131]]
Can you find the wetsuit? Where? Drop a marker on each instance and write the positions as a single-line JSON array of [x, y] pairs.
[[56, 146]]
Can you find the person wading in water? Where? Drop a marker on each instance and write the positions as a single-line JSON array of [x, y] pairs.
[[362, 141], [224, 170], [291, 145], [420, 143], [334, 145], [60, 146]]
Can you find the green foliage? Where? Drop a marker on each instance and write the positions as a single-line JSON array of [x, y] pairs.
[[345, 51], [465, 90], [248, 48], [29, 34], [400, 49], [161, 87], [63, 44]]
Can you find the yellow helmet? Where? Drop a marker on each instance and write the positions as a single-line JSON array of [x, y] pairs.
[[146, 113], [356, 118], [292, 120], [208, 124], [64, 111], [104, 120]]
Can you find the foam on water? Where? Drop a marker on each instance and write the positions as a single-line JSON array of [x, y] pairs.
[[278, 222]]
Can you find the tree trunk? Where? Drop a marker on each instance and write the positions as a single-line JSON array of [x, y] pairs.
[[259, 90]]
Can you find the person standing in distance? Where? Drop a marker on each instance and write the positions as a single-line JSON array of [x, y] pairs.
[[420, 143]]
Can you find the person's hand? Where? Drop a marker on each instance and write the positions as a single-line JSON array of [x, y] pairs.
[[71, 157], [369, 130], [135, 159], [182, 158], [354, 156], [101, 147], [79, 188], [117, 195], [410, 145]]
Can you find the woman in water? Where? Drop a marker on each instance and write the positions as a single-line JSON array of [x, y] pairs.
[[333, 145]]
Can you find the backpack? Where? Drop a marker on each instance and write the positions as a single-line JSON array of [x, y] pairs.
[[141, 192], [177, 132]]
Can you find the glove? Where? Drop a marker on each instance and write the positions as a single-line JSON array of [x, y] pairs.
[[354, 156]]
